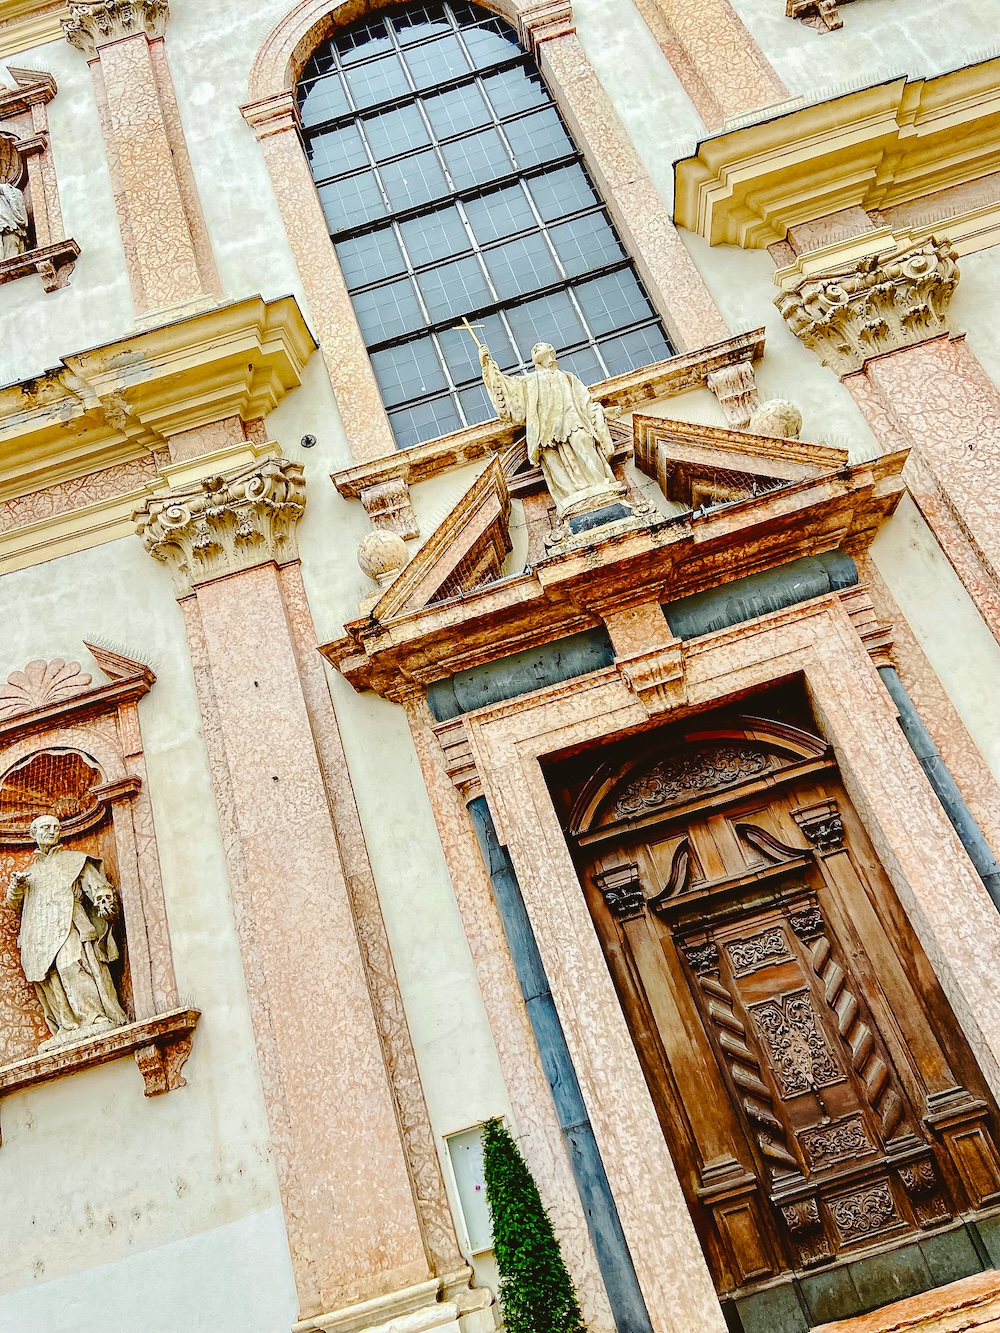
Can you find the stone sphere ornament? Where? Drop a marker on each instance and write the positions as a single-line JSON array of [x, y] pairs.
[[776, 418], [382, 555]]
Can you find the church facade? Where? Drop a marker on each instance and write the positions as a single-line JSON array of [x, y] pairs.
[[500, 587]]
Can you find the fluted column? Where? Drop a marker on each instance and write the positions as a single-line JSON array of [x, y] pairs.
[[166, 243], [363, 1199], [882, 324]]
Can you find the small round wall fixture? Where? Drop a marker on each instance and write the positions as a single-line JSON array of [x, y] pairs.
[[308, 441]]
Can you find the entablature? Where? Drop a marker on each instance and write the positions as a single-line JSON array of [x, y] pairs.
[[125, 399], [873, 149]]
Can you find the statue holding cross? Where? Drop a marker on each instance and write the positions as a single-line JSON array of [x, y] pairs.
[[565, 428]]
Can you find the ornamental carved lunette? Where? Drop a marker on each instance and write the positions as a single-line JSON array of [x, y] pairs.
[[878, 304], [94, 23], [226, 523], [680, 778]]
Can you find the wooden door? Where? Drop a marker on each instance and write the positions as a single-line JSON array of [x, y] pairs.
[[816, 1092]]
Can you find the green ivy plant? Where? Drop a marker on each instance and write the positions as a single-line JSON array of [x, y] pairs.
[[536, 1292]]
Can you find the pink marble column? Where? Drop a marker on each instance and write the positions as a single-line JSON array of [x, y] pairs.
[[937, 399], [166, 244]]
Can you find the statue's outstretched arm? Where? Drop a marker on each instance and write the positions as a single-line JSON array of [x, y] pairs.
[[17, 886], [507, 392]]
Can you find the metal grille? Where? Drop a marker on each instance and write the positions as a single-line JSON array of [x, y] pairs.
[[452, 189], [53, 782]]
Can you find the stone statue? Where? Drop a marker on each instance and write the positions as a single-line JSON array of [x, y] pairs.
[[13, 211], [67, 904], [565, 429]]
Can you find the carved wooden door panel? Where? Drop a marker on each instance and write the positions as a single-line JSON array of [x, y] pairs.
[[816, 1092]]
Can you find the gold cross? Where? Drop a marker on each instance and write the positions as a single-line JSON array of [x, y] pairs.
[[469, 330]]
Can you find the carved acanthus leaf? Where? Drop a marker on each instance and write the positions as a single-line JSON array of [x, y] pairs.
[[226, 523], [878, 304], [41, 683], [682, 777], [95, 23]]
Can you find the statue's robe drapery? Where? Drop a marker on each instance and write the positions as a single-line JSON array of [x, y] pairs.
[[565, 430], [13, 222], [65, 944]]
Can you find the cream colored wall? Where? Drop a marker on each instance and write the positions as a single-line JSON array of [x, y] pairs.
[[880, 39], [95, 1177]]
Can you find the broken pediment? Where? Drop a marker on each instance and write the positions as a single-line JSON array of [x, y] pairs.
[[466, 550], [703, 466]]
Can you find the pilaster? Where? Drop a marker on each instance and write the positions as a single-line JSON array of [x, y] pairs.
[[365, 1206], [166, 243], [881, 322]]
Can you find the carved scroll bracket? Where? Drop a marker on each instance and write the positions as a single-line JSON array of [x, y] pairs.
[[822, 825], [650, 659], [227, 523], [388, 506], [458, 759], [735, 387]]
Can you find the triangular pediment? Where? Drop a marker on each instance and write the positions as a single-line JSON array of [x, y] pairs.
[[465, 551], [701, 466]]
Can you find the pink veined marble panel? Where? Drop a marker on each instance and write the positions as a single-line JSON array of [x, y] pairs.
[[65, 496], [722, 68], [527, 1087], [325, 1082], [158, 228]]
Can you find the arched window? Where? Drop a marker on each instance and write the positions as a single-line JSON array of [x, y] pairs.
[[452, 188]]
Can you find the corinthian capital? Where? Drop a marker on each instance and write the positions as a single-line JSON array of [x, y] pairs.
[[223, 524], [874, 305], [95, 23]]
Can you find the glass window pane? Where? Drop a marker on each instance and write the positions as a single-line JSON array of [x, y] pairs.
[[386, 312], [584, 364], [613, 302], [515, 90], [378, 81], [437, 62], [366, 40], [395, 132], [521, 266], [456, 111], [352, 201], [502, 213], [539, 137], [434, 236], [370, 258], [415, 424], [408, 371], [476, 404], [454, 289], [414, 180], [551, 319], [420, 21], [336, 152], [586, 243], [477, 159], [463, 358], [325, 100], [641, 347], [560, 192], [491, 42]]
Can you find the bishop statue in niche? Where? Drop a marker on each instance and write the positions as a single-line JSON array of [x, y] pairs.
[[67, 905], [13, 210], [565, 429]]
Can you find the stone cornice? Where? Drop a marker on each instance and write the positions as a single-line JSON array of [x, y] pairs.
[[33, 87], [28, 23], [666, 379], [667, 559], [878, 304], [96, 23], [225, 523], [124, 399], [872, 149]]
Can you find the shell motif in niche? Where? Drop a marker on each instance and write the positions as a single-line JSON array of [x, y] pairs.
[[52, 782], [41, 683]]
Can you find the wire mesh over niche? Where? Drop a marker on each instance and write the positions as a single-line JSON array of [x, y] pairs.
[[452, 188], [53, 782]]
